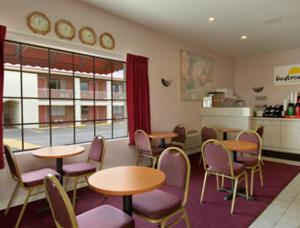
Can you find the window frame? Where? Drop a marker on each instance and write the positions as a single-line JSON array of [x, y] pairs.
[[50, 122]]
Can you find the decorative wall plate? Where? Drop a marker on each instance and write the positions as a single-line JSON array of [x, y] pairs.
[[38, 23], [87, 35], [65, 29], [107, 41]]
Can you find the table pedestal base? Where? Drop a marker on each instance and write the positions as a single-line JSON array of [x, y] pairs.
[[127, 204], [241, 192]]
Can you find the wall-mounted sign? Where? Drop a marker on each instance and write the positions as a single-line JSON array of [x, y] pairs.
[[287, 75]]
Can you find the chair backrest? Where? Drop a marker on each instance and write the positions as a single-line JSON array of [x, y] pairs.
[[61, 207], [142, 141], [208, 133], [217, 156], [97, 150], [182, 132], [251, 136], [260, 130], [176, 165], [12, 164]]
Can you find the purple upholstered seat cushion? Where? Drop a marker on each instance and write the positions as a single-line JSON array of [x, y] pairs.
[[237, 169], [156, 204], [247, 161], [76, 169], [104, 217], [36, 177]]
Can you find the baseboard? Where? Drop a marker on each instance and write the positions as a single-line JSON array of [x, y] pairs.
[[282, 157]]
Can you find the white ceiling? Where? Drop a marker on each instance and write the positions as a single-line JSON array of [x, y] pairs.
[[271, 25]]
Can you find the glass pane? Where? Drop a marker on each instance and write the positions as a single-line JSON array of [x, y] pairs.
[[35, 60], [84, 131], [12, 111], [62, 111], [12, 79], [84, 66], [103, 128], [103, 68], [118, 70], [86, 111], [12, 55], [119, 90], [86, 87], [12, 136], [102, 89], [35, 111], [119, 110], [36, 135], [120, 128], [62, 133], [103, 110], [61, 78]]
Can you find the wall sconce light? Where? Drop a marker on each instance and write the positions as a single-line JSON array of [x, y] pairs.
[[166, 82]]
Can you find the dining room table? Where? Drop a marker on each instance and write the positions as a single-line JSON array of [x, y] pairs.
[[126, 181], [162, 136], [58, 153], [235, 146]]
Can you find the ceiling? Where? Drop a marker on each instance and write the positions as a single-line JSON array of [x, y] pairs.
[[271, 25]]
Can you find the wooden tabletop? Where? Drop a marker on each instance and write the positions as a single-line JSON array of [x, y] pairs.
[[126, 180], [162, 135], [58, 151], [241, 146], [224, 129]]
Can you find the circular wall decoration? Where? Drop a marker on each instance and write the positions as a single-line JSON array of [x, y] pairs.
[[107, 41], [87, 35], [38, 23], [64, 29]]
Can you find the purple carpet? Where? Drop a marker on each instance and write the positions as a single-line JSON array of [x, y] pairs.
[[215, 212]]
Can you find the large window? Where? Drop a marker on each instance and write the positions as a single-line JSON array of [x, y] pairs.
[[54, 97]]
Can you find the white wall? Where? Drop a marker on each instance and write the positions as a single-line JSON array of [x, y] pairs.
[[167, 109], [257, 70]]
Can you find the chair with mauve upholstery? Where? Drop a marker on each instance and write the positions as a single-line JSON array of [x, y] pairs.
[[180, 139], [217, 161], [167, 203], [144, 148], [29, 181], [252, 162], [85, 169], [104, 216], [206, 134]]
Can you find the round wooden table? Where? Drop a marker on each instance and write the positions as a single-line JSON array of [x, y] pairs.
[[162, 135], [225, 131], [58, 152], [126, 181]]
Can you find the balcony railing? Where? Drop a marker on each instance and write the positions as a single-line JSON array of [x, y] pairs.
[[57, 93], [119, 95], [90, 94]]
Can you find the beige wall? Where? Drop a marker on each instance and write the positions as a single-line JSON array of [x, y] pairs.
[[257, 70], [166, 107]]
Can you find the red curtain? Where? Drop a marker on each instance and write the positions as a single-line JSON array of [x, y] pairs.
[[137, 88], [2, 39]]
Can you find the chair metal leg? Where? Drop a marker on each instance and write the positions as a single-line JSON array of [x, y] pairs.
[[222, 183], [203, 187], [234, 195], [252, 180], [200, 159], [246, 186], [260, 175], [74, 192], [217, 180], [11, 198], [23, 208], [138, 159], [154, 162], [186, 219]]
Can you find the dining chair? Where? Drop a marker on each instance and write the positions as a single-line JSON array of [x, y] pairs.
[[63, 214], [206, 134], [144, 148], [85, 169], [253, 161], [167, 203], [217, 161], [260, 132], [29, 181], [181, 138]]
